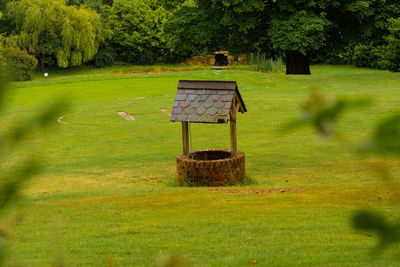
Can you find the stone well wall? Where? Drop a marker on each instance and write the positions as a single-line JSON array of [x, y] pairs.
[[214, 172]]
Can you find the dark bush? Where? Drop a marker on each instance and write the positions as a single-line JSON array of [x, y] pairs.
[[391, 52], [362, 56], [147, 57], [378, 55], [3, 67], [21, 63], [104, 58]]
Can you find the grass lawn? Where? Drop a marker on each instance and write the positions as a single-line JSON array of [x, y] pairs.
[[109, 192]]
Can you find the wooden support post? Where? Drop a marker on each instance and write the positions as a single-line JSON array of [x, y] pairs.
[[233, 136], [233, 112], [185, 137]]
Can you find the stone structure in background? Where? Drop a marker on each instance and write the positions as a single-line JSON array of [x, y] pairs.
[[211, 59]]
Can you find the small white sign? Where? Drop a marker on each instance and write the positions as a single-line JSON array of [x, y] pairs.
[[46, 75]]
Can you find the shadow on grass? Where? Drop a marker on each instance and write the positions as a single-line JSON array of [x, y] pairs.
[[173, 182], [248, 181]]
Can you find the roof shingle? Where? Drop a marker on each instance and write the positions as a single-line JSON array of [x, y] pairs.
[[204, 101]]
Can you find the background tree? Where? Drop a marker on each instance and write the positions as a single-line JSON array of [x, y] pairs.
[[6, 25], [357, 26], [151, 31], [98, 5], [296, 35], [15, 63], [391, 52], [55, 33], [205, 26], [138, 30], [327, 31]]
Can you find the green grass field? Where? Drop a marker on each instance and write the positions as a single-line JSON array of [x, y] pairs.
[[109, 192]]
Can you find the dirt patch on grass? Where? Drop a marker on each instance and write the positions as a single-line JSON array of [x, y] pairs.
[[256, 191], [126, 116], [166, 111], [60, 120]]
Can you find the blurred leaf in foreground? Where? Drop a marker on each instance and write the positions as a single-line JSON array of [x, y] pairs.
[[373, 222], [322, 113], [172, 260], [12, 179], [386, 137], [12, 184]]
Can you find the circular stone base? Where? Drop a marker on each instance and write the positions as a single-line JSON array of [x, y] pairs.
[[210, 168]]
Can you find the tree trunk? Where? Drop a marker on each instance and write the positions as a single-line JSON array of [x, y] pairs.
[[297, 63]]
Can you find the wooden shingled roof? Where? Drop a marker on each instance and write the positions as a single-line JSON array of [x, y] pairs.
[[206, 101]]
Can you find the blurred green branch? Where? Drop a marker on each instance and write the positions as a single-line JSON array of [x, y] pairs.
[[387, 233], [322, 114], [386, 137], [13, 179]]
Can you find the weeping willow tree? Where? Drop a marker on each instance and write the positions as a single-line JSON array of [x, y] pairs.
[[57, 34]]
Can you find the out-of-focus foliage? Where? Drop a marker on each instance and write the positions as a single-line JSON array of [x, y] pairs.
[[322, 113], [55, 33], [374, 222], [138, 30], [14, 177], [172, 260], [386, 137]]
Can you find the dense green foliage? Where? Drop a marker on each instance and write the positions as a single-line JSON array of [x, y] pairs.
[[15, 63], [392, 49], [93, 4], [303, 32], [328, 30], [206, 26], [383, 56], [105, 57], [138, 30], [149, 31], [21, 64], [55, 33]]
